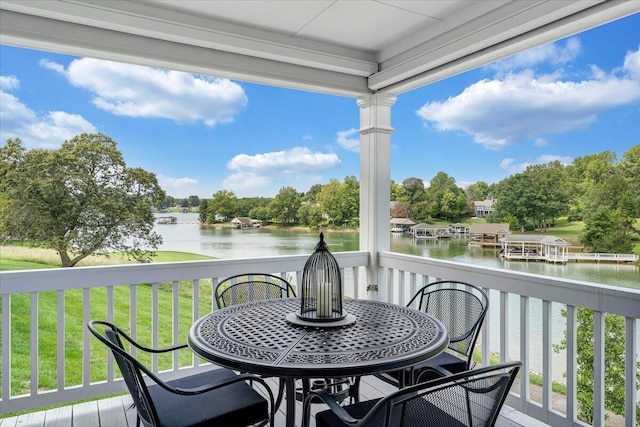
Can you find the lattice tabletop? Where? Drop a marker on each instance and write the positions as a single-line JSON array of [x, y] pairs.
[[255, 337]]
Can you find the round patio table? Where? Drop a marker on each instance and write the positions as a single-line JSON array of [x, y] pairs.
[[256, 337]]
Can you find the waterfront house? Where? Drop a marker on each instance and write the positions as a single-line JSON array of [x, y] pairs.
[[482, 208], [369, 51]]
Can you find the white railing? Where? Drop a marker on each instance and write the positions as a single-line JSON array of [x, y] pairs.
[[185, 287], [598, 257], [527, 306], [518, 302]]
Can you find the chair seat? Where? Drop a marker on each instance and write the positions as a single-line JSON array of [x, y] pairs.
[[430, 415], [444, 360], [233, 405]]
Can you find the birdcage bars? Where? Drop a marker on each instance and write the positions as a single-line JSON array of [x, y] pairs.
[[321, 296]]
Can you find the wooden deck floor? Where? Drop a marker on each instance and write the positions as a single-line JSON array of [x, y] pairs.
[[117, 412]]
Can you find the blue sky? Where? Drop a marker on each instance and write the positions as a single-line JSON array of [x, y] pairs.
[[200, 134]]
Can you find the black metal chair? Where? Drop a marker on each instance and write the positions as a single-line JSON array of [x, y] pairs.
[[461, 307], [216, 397], [249, 287], [467, 399]]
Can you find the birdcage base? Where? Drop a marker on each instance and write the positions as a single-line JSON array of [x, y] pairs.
[[347, 320]]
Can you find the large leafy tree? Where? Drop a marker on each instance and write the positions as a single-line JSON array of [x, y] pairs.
[[224, 203], [477, 191], [79, 200], [332, 201], [284, 207], [446, 199]]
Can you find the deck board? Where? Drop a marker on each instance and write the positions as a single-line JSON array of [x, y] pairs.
[[117, 411]]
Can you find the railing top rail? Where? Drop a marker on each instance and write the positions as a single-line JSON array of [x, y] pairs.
[[124, 274], [606, 298]]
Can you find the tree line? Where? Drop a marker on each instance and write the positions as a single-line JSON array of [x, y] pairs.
[[597, 189]]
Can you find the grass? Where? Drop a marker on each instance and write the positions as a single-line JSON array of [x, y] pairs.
[[23, 258]]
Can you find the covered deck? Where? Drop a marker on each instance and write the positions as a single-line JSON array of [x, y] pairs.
[[369, 51]]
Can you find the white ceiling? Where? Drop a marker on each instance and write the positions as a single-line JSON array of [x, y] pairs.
[[347, 47]]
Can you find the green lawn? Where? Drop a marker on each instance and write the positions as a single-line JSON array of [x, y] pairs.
[[74, 325], [9, 264]]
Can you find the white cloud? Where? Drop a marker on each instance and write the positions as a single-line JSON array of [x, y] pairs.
[[9, 82], [171, 185], [506, 163], [552, 53], [523, 106], [47, 130], [344, 140], [632, 64], [540, 142], [137, 91], [266, 173], [512, 167]]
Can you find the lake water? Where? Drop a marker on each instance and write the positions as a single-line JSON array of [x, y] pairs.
[[189, 236]]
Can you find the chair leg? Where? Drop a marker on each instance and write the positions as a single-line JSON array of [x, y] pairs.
[[354, 390], [280, 395]]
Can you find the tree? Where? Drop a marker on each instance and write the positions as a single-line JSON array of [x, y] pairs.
[[414, 188], [79, 200], [614, 376], [194, 201], [351, 189], [604, 232], [629, 168], [223, 204], [203, 210], [284, 207], [477, 191], [446, 199], [332, 201]]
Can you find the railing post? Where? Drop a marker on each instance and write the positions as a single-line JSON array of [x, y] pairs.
[[631, 371]]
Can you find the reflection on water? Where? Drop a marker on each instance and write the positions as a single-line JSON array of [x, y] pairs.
[[188, 236]]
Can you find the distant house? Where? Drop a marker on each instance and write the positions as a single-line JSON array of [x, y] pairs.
[[483, 208], [488, 234]]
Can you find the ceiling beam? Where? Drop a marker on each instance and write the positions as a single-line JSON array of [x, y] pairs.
[[36, 32], [437, 60], [145, 20]]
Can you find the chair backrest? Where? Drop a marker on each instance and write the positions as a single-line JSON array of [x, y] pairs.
[[471, 398], [460, 306], [110, 335], [251, 287]]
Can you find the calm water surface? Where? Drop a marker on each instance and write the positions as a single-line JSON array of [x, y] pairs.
[[188, 236]]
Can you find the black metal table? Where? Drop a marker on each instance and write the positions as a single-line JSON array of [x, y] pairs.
[[255, 337]]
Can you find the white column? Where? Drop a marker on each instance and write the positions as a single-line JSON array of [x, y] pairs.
[[375, 179]]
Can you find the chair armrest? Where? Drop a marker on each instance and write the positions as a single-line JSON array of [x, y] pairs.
[[442, 372], [149, 349]]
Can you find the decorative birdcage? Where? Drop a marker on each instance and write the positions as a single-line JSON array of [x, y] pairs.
[[321, 296]]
